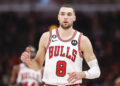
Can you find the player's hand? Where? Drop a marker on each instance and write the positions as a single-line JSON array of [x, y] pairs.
[[75, 76], [25, 57]]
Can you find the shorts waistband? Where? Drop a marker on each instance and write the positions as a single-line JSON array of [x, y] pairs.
[[62, 85]]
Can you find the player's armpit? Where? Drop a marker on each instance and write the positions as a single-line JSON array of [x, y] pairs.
[[42, 70]]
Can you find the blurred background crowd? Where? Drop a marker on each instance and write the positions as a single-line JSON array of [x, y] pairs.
[[64, 1], [20, 27]]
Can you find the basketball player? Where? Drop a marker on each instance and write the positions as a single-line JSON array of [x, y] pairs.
[[63, 50], [22, 75]]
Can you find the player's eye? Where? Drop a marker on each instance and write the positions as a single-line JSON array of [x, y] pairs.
[[62, 13], [69, 14]]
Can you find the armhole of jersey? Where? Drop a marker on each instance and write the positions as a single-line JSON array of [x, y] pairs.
[[79, 42], [41, 73], [19, 68], [50, 37]]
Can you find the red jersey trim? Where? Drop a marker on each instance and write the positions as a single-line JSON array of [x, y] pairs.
[[65, 40], [50, 37], [79, 41]]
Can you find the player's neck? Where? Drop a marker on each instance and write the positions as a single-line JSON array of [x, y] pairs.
[[66, 33]]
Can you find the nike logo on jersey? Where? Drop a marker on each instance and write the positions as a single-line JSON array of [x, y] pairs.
[[54, 36], [54, 40]]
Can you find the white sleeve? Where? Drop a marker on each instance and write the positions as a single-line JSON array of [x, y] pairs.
[[94, 71]]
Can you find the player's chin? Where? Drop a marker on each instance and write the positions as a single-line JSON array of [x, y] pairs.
[[66, 27]]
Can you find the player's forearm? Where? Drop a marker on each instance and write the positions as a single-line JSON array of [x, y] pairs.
[[33, 64], [94, 71]]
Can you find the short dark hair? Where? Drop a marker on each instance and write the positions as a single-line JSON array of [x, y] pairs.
[[69, 6]]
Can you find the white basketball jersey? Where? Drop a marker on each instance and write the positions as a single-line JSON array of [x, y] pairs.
[[28, 77], [62, 57]]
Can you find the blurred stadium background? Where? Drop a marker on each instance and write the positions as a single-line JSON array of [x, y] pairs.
[[23, 21]]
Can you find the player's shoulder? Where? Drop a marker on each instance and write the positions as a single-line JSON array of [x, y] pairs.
[[46, 34], [83, 38], [85, 41], [45, 37], [78, 32], [16, 67]]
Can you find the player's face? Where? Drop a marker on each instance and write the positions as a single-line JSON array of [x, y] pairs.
[[32, 55], [66, 17]]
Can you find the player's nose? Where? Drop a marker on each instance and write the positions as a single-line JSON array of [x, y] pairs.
[[65, 16]]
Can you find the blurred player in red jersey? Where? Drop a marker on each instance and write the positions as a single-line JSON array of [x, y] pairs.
[[22, 75]]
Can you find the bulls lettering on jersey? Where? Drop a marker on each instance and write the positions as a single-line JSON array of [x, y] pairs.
[[63, 56], [28, 77], [55, 51]]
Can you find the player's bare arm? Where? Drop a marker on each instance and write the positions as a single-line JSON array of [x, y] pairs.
[[42, 49], [90, 58], [14, 74], [37, 62], [87, 49]]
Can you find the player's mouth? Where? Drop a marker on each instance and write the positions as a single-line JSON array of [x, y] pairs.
[[65, 22]]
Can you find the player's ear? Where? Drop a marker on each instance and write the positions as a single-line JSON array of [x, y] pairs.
[[74, 18], [58, 16]]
